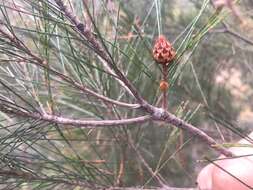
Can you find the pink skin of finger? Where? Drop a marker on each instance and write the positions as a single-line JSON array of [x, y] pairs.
[[204, 178], [212, 177]]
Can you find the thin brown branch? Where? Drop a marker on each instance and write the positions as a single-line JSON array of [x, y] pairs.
[[172, 119], [155, 175], [237, 35], [165, 91], [91, 123], [121, 170], [106, 99], [113, 73], [74, 122]]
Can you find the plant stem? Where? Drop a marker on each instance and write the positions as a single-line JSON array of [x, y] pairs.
[[165, 98]]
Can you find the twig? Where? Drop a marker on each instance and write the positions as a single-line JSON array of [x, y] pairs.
[[227, 30], [155, 175], [239, 36], [172, 119], [74, 122], [113, 73], [165, 91]]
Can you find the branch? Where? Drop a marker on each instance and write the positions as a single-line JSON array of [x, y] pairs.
[[158, 115], [155, 175], [228, 30], [172, 119], [106, 99], [91, 123], [74, 122], [113, 73], [239, 36]]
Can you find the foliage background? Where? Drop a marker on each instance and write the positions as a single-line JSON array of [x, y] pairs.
[[211, 87]]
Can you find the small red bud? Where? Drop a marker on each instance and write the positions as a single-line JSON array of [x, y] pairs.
[[164, 85]]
